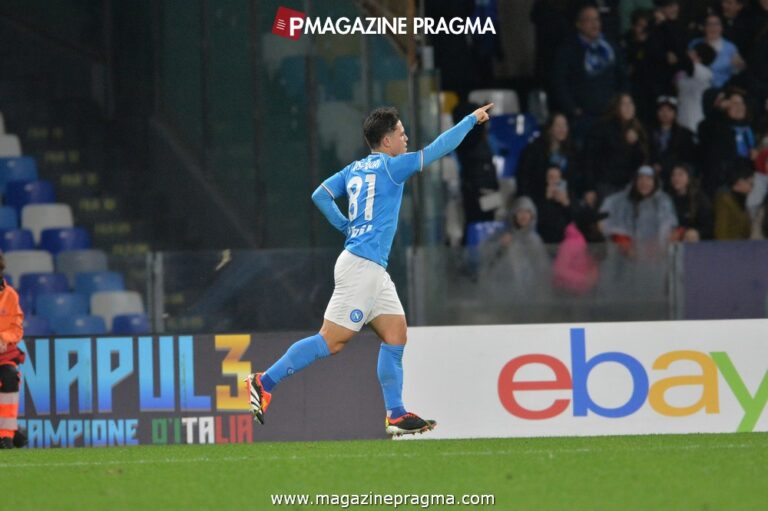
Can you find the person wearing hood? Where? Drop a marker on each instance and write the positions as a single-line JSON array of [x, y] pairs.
[[641, 216], [518, 252], [575, 269]]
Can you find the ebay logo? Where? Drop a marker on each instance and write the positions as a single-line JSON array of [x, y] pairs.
[[643, 390]]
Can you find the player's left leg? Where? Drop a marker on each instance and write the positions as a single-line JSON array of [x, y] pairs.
[[9, 404], [390, 325]]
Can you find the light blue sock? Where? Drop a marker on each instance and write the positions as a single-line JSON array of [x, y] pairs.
[[390, 371], [301, 354]]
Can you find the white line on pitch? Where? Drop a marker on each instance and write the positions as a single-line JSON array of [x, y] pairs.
[[205, 459]]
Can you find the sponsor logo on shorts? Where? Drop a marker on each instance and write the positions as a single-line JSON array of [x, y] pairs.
[[356, 316]]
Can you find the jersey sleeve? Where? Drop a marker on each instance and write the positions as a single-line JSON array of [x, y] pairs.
[[336, 185], [402, 167]]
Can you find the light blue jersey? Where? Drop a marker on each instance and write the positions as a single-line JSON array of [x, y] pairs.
[[374, 190]]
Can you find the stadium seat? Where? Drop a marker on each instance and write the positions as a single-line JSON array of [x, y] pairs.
[[508, 136], [59, 239], [293, 75], [35, 326], [130, 324], [537, 105], [20, 168], [79, 325], [9, 218], [88, 283], [55, 305], [9, 146], [478, 232], [2, 124], [71, 262], [32, 285], [505, 101], [109, 304], [346, 75], [17, 239], [37, 217], [27, 261], [19, 193]]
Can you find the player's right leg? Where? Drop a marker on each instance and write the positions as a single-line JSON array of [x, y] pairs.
[[330, 340], [355, 287]]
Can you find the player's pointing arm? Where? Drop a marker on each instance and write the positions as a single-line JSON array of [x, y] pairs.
[[405, 165]]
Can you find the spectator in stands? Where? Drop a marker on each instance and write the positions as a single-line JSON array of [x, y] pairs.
[[639, 67], [554, 207], [552, 147], [628, 10], [616, 147], [587, 73], [575, 268], [692, 207], [728, 61], [478, 174], [670, 143], [519, 251], [667, 40], [641, 217], [738, 26], [692, 81], [726, 137], [732, 221]]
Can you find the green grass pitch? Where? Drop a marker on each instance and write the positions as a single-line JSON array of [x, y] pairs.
[[676, 472]]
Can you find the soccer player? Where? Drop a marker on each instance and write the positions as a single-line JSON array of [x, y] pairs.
[[364, 292]]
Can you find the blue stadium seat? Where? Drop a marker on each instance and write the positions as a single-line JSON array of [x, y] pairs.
[[31, 285], [19, 194], [17, 239], [509, 135], [9, 218], [293, 75], [20, 168], [79, 325], [58, 239], [346, 73], [35, 326], [478, 232], [55, 305], [130, 324], [92, 282], [71, 262]]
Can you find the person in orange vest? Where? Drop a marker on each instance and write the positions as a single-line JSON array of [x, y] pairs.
[[11, 332]]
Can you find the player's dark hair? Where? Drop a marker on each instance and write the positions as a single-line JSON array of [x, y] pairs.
[[378, 123]]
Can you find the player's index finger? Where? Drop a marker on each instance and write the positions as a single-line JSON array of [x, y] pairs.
[[487, 107]]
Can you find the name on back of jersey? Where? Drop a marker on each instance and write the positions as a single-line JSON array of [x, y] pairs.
[[357, 231], [367, 164]]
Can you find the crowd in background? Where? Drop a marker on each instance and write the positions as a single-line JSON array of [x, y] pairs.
[[660, 125]]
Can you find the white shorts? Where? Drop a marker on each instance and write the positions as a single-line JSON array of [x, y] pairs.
[[363, 290]]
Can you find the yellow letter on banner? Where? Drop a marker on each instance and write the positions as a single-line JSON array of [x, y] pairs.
[[707, 379], [232, 365]]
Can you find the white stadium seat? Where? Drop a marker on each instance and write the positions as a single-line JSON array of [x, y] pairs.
[[505, 100], [19, 262], [72, 262], [37, 217], [9, 146], [109, 304], [2, 124]]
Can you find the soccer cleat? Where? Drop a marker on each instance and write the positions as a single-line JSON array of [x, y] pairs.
[[20, 439], [6, 443], [259, 397], [408, 424]]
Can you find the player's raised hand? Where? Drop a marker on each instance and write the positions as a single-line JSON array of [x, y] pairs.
[[481, 114]]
